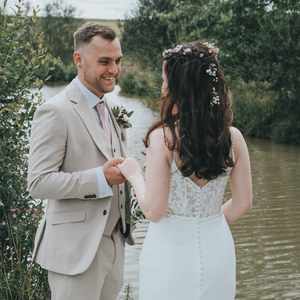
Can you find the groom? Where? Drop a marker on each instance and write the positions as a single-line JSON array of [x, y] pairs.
[[75, 146]]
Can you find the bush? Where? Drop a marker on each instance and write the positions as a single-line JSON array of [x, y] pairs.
[[139, 81], [22, 57], [56, 71], [253, 108], [70, 72], [287, 131], [128, 83], [59, 72], [132, 85]]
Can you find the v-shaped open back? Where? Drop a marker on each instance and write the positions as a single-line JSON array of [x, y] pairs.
[[194, 197]]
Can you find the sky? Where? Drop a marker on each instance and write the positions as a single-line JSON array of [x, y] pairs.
[[90, 9]]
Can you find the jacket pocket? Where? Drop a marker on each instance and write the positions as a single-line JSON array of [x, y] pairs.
[[67, 217]]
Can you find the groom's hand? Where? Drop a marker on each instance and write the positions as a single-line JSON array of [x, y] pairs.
[[112, 173]]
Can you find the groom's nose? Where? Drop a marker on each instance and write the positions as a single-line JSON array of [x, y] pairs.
[[113, 68]]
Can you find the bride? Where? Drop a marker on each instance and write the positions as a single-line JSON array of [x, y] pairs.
[[189, 251]]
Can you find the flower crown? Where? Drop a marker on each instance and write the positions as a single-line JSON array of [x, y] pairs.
[[193, 52]]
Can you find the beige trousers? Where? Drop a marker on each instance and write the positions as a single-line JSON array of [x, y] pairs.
[[101, 281]]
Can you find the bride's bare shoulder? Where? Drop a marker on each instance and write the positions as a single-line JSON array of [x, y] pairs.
[[157, 137], [158, 140], [238, 141], [161, 135]]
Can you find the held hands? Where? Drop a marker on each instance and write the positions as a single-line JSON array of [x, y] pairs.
[[112, 173], [131, 169]]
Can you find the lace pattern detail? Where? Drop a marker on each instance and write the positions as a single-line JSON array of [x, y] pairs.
[[190, 200]]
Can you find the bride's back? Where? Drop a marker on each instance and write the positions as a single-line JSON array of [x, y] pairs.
[[191, 198]]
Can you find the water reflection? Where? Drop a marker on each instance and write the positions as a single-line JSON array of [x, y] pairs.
[[267, 239]]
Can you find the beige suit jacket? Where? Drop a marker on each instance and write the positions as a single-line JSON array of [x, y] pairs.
[[66, 148]]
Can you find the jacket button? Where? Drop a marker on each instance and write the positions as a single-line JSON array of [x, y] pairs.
[[121, 206], [104, 212], [114, 150], [89, 196], [121, 192]]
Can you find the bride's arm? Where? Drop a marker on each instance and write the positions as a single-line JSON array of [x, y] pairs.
[[240, 180], [158, 169], [153, 193]]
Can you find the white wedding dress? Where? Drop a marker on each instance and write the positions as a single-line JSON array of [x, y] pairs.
[[189, 254]]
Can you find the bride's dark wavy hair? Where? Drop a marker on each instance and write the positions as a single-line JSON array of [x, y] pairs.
[[200, 127]]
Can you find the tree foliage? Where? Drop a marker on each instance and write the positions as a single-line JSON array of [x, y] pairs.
[[259, 41], [58, 26], [262, 42], [146, 34], [22, 57]]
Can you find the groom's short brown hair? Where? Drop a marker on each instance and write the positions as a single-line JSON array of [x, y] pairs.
[[85, 33]]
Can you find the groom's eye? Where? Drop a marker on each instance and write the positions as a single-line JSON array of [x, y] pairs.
[[103, 62]]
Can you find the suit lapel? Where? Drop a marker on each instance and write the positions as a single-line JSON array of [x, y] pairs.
[[87, 116]]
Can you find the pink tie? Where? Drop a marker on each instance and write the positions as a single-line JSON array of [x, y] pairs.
[[104, 119]]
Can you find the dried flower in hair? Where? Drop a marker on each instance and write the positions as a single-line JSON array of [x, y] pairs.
[[212, 71], [215, 98], [212, 49], [184, 50]]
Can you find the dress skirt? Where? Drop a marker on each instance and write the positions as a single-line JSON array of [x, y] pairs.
[[188, 258]]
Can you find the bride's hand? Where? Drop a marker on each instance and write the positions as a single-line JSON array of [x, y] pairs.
[[130, 168]]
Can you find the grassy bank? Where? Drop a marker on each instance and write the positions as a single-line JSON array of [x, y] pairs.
[[138, 81]]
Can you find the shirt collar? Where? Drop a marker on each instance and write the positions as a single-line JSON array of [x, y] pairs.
[[91, 98]]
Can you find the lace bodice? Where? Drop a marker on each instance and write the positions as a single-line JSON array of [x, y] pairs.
[[188, 199]]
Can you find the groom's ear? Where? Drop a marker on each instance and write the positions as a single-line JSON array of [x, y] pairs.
[[77, 59]]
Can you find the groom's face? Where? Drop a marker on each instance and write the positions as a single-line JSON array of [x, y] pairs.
[[99, 64]]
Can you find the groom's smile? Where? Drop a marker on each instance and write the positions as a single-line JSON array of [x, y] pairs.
[[109, 81]]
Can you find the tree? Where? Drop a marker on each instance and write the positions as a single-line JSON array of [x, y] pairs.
[[58, 27], [22, 57], [261, 43], [159, 24], [146, 34]]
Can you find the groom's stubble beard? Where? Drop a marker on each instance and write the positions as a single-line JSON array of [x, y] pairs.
[[94, 84]]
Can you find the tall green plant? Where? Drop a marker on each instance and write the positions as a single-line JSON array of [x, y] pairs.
[[22, 56]]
